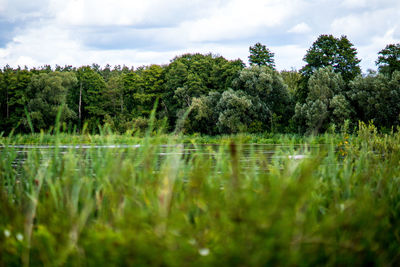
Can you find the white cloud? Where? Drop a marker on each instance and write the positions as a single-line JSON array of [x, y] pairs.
[[38, 46], [2, 5], [134, 32], [362, 26], [370, 31], [127, 12], [354, 3], [369, 52], [300, 28], [240, 19], [14, 10], [369, 4], [289, 56]]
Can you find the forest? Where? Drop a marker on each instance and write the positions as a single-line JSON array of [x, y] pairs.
[[208, 94]]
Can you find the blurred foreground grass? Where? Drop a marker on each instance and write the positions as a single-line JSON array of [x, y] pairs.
[[153, 205]]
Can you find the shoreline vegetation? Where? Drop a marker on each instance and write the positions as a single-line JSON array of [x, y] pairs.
[[208, 95], [120, 139], [155, 205]]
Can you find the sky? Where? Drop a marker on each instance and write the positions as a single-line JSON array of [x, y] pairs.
[[134, 33]]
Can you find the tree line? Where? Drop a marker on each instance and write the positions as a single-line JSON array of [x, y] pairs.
[[208, 94]]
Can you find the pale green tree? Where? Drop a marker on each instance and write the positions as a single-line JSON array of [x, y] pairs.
[[326, 103]]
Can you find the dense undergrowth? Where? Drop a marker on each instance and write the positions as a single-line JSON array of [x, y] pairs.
[[158, 205]]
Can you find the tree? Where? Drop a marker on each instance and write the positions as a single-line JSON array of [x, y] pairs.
[[377, 98], [292, 79], [325, 104], [266, 89], [143, 87], [260, 55], [13, 85], [236, 111], [336, 52], [87, 97], [203, 116], [193, 75], [114, 94], [389, 59], [49, 92]]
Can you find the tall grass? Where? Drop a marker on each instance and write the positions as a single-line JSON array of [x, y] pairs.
[[158, 205]]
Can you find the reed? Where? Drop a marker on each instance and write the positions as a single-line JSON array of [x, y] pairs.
[[170, 201]]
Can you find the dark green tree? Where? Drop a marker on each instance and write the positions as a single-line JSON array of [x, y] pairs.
[[377, 98], [327, 50], [143, 87], [49, 92], [114, 94], [193, 75], [260, 55], [389, 59], [13, 85], [3, 102], [336, 52], [87, 98]]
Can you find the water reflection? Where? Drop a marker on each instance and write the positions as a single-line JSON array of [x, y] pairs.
[[249, 153]]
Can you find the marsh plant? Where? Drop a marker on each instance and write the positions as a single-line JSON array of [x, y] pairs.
[[159, 204]]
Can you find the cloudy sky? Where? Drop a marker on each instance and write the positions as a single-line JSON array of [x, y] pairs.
[[142, 32]]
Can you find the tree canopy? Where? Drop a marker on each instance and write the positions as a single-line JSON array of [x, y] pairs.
[[336, 52], [260, 55], [208, 94], [389, 59]]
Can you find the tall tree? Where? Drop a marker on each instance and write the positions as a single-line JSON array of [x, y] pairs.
[[87, 97], [260, 55], [336, 52], [389, 59]]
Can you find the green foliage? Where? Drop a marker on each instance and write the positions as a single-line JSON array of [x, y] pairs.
[[268, 93], [389, 59], [193, 75], [292, 79], [93, 87], [114, 95], [260, 55], [236, 111], [377, 98], [259, 102], [325, 103], [49, 95], [160, 203], [204, 114], [142, 88], [338, 53], [189, 94], [14, 96]]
